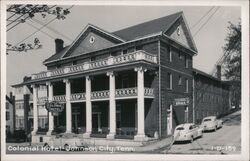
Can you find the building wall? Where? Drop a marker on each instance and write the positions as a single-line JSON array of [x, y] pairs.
[[211, 97], [177, 68], [9, 117]]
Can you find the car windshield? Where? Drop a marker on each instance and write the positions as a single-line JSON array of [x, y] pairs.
[[207, 120], [180, 128]]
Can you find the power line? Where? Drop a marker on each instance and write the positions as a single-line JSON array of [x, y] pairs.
[[14, 13], [23, 20], [22, 15], [202, 17], [39, 29], [206, 21], [53, 30]]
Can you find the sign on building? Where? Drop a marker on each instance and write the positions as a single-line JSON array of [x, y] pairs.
[[54, 107], [181, 102]]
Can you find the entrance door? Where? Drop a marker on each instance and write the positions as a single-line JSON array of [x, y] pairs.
[[96, 122], [169, 120], [75, 118]]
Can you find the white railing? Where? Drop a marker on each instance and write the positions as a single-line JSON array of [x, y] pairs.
[[135, 56], [56, 72], [77, 96], [100, 94], [98, 63], [125, 58], [42, 100], [149, 92], [126, 92], [59, 98]]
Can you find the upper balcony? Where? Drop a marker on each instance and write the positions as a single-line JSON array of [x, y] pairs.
[[110, 61]]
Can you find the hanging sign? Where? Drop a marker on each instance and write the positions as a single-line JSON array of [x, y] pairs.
[[181, 102], [54, 107]]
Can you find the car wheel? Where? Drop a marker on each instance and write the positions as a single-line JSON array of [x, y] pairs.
[[191, 139], [66, 147]]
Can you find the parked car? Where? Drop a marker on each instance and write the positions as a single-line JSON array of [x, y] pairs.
[[211, 123], [187, 132], [64, 141]]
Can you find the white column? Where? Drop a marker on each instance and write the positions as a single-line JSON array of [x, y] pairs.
[[140, 105], [112, 106], [50, 99], [35, 110], [68, 107], [88, 108]]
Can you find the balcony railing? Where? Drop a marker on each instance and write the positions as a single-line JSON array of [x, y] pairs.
[[100, 94], [59, 98], [135, 56], [126, 92], [77, 97], [119, 93], [149, 92]]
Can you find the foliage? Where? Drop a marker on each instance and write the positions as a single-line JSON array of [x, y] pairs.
[[232, 49]]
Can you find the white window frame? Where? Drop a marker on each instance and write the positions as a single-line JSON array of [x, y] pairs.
[[180, 80], [170, 54], [186, 82], [186, 62], [170, 81]]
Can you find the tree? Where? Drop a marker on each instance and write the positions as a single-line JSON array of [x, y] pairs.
[[232, 62], [19, 14], [232, 49]]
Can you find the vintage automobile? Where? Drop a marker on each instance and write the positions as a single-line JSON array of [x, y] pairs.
[[211, 123], [187, 132], [68, 142]]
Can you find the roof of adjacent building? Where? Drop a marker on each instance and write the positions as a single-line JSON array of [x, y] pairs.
[[196, 71], [149, 27]]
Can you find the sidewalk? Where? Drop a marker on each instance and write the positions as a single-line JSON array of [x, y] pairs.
[[231, 116]]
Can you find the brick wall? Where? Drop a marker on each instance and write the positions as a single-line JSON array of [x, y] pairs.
[[177, 69]]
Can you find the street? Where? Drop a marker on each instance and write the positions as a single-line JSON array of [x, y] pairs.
[[226, 140]]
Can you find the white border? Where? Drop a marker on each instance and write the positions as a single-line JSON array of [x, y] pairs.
[[244, 4]]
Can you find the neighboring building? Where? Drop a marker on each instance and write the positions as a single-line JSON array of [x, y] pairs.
[[20, 106], [9, 106], [211, 96], [132, 83]]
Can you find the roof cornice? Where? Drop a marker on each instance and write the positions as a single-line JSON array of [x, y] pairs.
[[114, 46]]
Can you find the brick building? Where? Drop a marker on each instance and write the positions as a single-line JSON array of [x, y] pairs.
[[132, 83]]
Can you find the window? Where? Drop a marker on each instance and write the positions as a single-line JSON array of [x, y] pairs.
[[186, 62], [118, 116], [169, 54], [138, 47], [186, 85], [178, 31], [180, 55], [186, 115], [124, 51], [169, 81], [7, 116], [179, 80], [7, 105]]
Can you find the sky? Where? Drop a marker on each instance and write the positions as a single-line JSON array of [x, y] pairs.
[[209, 40]]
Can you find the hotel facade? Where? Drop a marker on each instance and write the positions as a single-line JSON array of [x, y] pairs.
[[136, 83]]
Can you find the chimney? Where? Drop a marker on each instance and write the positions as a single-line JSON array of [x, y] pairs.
[[218, 72], [11, 96], [59, 45]]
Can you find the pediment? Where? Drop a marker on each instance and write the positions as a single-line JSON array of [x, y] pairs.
[[92, 39], [180, 32]]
